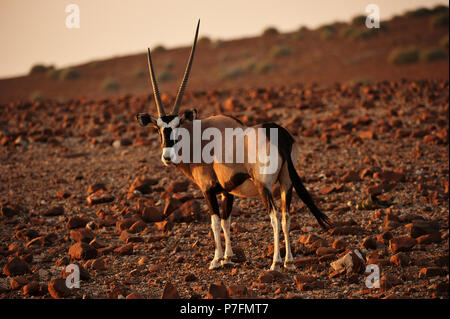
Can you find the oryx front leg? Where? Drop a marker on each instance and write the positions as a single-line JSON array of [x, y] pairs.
[[227, 205], [218, 253], [228, 250], [275, 220]]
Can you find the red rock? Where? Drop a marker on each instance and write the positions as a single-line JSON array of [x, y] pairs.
[[15, 267], [339, 244], [170, 292], [270, 276], [404, 243], [8, 210], [304, 261], [429, 238], [370, 134], [352, 262], [151, 214], [18, 282], [83, 251], [98, 264], [308, 239], [422, 227], [322, 251], [306, 282], [170, 206], [390, 176], [350, 176], [389, 281], [76, 222], [83, 234], [164, 225], [369, 243], [134, 295], [137, 227], [99, 197], [54, 211], [31, 289], [217, 291], [346, 230], [190, 278], [58, 289], [239, 255], [123, 250], [431, 272], [143, 184], [125, 224], [237, 291], [95, 187], [385, 236], [400, 259], [177, 187]]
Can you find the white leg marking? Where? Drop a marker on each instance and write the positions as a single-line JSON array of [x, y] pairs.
[[274, 218], [218, 253], [226, 232], [288, 259]]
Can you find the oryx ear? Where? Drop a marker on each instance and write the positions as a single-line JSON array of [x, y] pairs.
[[189, 115], [144, 119]]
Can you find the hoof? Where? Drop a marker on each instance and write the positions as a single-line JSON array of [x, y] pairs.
[[227, 262], [215, 264], [290, 266], [275, 266]]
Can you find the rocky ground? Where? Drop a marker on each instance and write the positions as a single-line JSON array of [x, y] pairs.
[[82, 183]]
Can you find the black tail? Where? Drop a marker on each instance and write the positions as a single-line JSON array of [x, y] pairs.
[[285, 142], [322, 219]]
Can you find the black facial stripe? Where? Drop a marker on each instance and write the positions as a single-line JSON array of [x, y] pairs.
[[167, 142]]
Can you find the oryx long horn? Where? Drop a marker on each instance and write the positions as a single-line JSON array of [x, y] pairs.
[[177, 104], [159, 105]]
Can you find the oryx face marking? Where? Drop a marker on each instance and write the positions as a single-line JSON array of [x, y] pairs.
[[166, 125]]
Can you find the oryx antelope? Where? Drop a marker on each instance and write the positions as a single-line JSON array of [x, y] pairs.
[[243, 179]]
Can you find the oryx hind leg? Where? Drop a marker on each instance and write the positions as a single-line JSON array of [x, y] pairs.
[[266, 196], [286, 197], [227, 205]]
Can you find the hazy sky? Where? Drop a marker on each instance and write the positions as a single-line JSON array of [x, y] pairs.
[[34, 31]]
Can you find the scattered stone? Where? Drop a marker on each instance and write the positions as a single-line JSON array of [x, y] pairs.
[[123, 250], [217, 291], [190, 278], [404, 243], [352, 262], [429, 238], [151, 214], [339, 244], [270, 276], [15, 267], [82, 251], [31, 289], [421, 227], [76, 222], [99, 197], [137, 227], [369, 243], [58, 289], [82, 235], [54, 211], [134, 295], [170, 292], [400, 259], [431, 272]]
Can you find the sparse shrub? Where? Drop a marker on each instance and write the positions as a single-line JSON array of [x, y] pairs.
[[359, 20], [444, 42], [69, 74], [363, 33], [164, 76], [404, 55], [230, 72], [54, 73], [280, 51], [37, 96], [421, 12], [159, 48], [300, 33], [204, 40], [263, 67], [140, 73], [439, 20], [40, 68], [440, 8], [270, 31], [110, 85], [217, 44], [327, 34], [432, 54]]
